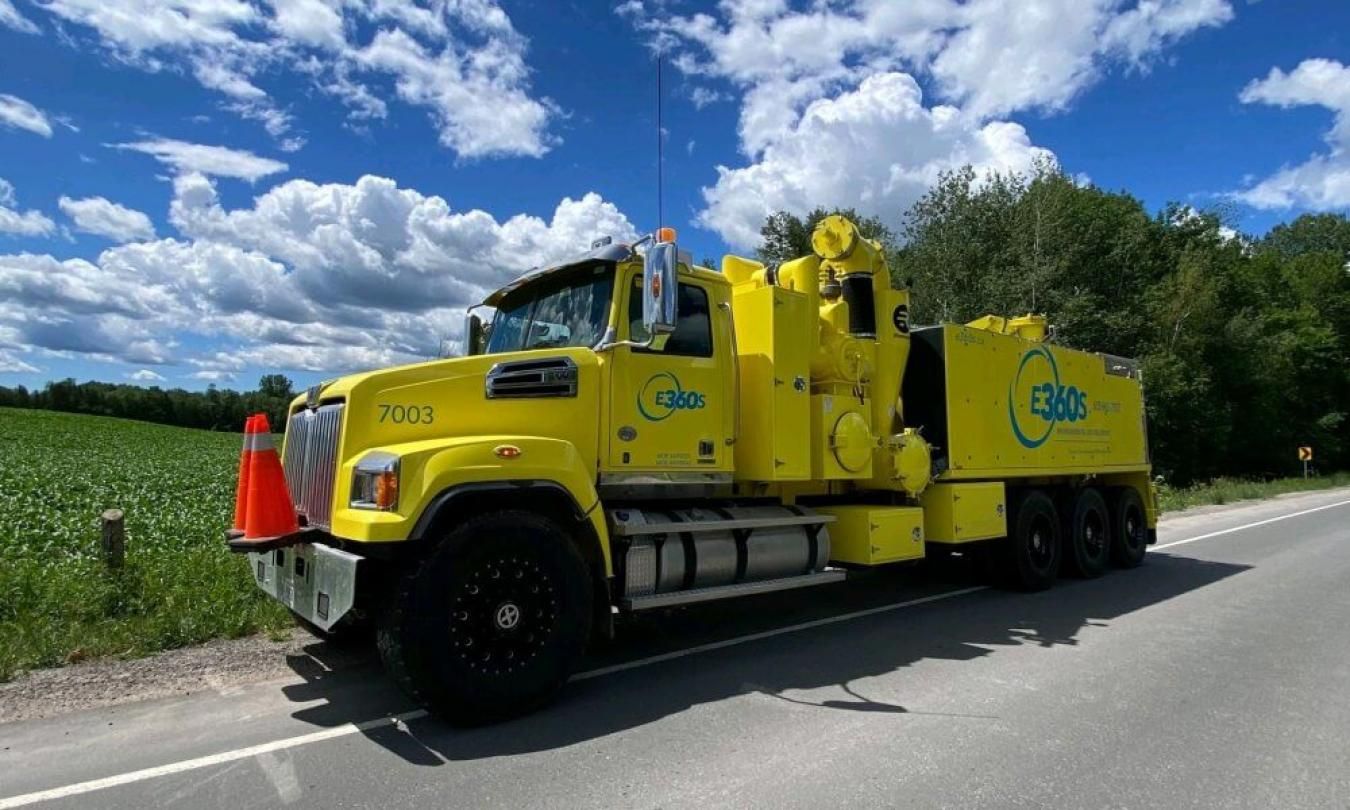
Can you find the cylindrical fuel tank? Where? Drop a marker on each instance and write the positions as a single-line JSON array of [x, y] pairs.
[[693, 551]]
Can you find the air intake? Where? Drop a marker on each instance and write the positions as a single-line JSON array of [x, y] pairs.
[[521, 379]]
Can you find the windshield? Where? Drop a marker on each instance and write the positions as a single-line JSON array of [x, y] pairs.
[[572, 310]]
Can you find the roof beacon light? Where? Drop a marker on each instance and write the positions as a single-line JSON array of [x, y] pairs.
[[665, 235]]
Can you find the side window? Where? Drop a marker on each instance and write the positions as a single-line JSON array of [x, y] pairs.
[[693, 330]]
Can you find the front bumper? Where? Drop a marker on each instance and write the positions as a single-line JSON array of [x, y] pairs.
[[315, 581]]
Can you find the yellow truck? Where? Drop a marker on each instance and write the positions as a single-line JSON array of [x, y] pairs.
[[631, 432]]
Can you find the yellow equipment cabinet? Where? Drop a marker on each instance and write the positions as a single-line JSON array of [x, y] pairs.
[[873, 535], [963, 513], [1002, 406], [774, 355]]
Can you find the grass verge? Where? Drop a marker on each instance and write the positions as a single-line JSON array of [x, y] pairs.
[[1228, 490], [179, 585]]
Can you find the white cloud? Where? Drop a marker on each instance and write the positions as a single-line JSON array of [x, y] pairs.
[[703, 96], [11, 18], [328, 278], [19, 114], [103, 217], [217, 161], [26, 223], [991, 57], [1322, 182], [145, 375], [807, 73], [885, 149], [213, 376], [9, 363], [463, 61]]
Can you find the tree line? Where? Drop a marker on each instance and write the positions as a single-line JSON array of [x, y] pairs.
[[1243, 341], [212, 409]]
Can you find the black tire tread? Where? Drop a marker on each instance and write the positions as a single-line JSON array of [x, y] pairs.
[[403, 658], [1075, 557]]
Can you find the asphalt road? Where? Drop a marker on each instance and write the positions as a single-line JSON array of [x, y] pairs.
[[1216, 675]]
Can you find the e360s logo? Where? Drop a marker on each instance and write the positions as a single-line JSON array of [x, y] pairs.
[[1037, 401], [661, 396]]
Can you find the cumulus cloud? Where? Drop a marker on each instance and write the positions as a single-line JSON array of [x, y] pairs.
[[145, 375], [319, 277], [19, 114], [991, 57], [102, 217], [885, 149], [807, 73], [464, 62], [1322, 182], [11, 18], [26, 223], [217, 161]]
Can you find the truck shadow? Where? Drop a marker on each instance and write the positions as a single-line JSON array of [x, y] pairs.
[[830, 652]]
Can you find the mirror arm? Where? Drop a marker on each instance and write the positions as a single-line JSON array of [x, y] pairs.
[[607, 342]]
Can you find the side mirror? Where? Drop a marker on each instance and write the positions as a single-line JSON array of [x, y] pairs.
[[660, 288], [474, 331]]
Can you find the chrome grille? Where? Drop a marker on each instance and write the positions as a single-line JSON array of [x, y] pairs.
[[311, 461]]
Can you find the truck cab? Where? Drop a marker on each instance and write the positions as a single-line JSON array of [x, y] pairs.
[[631, 432]]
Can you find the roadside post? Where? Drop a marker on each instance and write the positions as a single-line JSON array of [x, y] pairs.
[[114, 538]]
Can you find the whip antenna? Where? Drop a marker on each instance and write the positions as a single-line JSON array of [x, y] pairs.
[[660, 149]]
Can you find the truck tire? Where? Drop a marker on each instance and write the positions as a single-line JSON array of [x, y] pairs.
[[1087, 534], [1029, 556], [493, 622], [1129, 528]]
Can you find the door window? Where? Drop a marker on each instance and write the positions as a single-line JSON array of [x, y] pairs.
[[693, 328]]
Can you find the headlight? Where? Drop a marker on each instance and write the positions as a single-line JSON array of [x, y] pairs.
[[375, 482]]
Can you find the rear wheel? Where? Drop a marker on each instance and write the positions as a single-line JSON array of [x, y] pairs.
[[1087, 534], [1129, 528], [1029, 556], [493, 622]]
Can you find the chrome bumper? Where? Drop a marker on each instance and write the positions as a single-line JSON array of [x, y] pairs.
[[317, 582]]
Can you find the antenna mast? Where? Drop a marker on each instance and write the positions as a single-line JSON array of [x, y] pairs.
[[660, 149]]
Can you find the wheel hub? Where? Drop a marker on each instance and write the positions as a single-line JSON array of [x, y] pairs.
[[508, 616], [505, 610]]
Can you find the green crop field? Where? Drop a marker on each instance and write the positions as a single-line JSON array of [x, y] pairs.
[[58, 603]]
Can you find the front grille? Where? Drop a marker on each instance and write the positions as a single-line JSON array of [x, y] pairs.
[[311, 461]]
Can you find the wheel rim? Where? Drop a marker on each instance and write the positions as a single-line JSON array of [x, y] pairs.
[[505, 611], [1094, 535], [1040, 545], [1134, 529]]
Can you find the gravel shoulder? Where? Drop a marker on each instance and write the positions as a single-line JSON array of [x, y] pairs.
[[213, 666], [226, 664]]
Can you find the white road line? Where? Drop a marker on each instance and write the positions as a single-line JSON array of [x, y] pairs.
[[1250, 525], [344, 730], [205, 762]]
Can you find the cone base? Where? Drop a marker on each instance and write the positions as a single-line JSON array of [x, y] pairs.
[[243, 545]]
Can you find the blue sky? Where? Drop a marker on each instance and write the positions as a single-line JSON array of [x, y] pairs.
[[201, 191]]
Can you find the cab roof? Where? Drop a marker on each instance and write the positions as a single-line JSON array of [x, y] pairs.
[[616, 252]]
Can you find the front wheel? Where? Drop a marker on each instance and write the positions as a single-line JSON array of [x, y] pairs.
[[493, 622]]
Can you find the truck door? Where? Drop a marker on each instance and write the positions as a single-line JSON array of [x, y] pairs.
[[669, 405]]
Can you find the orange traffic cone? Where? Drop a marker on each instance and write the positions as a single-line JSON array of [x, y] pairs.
[[269, 511], [241, 491]]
